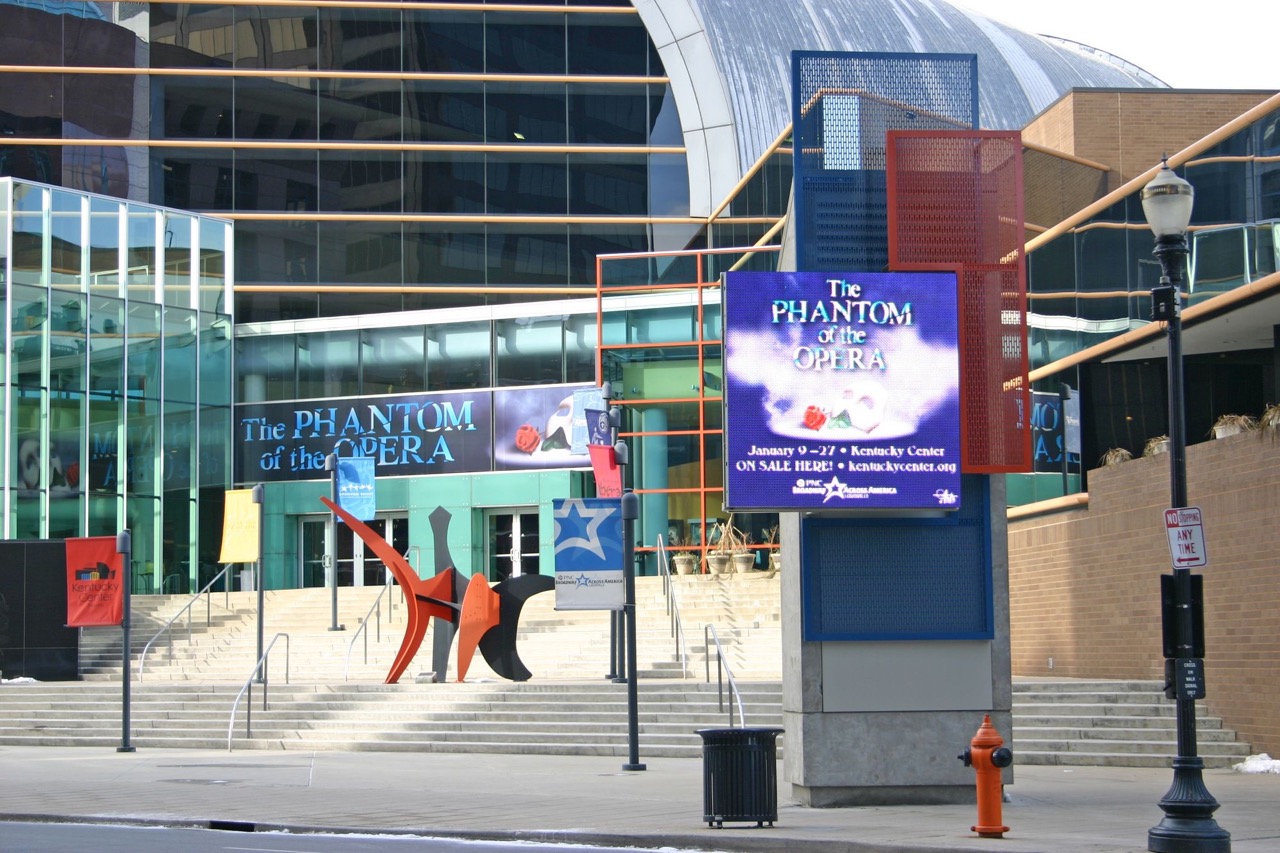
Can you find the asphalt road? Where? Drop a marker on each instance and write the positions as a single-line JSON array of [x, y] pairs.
[[97, 838]]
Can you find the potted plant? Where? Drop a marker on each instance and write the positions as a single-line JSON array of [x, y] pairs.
[[682, 562], [770, 540], [1227, 425], [1156, 444], [1115, 456], [730, 549]]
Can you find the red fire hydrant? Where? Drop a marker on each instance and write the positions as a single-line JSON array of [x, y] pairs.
[[987, 755]]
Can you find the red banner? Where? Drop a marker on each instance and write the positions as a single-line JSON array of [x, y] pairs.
[[95, 582], [608, 475]]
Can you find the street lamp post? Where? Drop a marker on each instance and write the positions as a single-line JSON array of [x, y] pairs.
[[1188, 825]]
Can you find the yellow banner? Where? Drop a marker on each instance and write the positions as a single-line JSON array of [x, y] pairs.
[[239, 528]]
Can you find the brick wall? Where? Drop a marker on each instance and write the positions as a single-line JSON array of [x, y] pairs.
[[1129, 129], [1084, 583]]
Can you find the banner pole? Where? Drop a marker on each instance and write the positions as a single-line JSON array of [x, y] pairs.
[[257, 497], [124, 547]]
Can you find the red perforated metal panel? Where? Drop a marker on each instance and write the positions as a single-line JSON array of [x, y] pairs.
[[955, 202]]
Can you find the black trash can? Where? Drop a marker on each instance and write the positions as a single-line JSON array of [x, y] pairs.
[[740, 775]]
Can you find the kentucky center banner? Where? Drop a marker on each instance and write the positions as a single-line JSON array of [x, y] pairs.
[[588, 553], [95, 582]]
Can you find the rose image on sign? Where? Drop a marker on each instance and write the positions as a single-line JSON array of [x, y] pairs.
[[527, 438]]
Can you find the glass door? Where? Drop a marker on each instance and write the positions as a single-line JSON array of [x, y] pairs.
[[372, 571], [311, 552], [512, 543]]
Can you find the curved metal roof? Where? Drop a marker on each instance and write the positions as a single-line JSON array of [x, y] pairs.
[[730, 63]]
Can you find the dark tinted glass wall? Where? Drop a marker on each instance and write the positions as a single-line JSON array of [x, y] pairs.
[[397, 140]]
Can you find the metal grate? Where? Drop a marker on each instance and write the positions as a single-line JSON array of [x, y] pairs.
[[844, 104], [900, 579], [955, 202]]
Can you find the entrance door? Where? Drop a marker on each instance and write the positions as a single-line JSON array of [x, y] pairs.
[[512, 543], [395, 530], [311, 552], [357, 566]]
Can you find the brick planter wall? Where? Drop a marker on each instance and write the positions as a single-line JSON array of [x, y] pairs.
[[1084, 583]]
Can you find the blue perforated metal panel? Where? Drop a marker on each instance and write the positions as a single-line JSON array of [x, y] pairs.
[[900, 579], [843, 106]]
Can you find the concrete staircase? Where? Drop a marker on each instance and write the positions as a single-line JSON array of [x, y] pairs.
[[325, 693], [1109, 723]]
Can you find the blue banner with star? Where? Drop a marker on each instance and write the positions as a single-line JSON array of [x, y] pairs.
[[588, 553]]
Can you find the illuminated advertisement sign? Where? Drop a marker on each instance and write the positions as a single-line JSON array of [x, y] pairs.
[[453, 432], [841, 391]]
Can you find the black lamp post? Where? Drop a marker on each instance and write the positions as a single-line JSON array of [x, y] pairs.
[[1188, 823]]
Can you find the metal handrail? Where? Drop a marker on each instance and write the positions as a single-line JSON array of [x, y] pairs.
[[364, 623], [259, 667], [709, 635], [673, 608], [208, 616]]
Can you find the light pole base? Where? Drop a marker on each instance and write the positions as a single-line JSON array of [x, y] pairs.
[[1188, 825]]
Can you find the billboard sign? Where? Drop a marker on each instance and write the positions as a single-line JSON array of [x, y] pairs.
[[841, 391]]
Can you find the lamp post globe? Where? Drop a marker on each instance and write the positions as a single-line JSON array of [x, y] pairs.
[[1188, 825]]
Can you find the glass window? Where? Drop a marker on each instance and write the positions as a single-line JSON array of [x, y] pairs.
[[614, 184], [140, 255], [1221, 261], [458, 356], [30, 237], [215, 453], [281, 181], [532, 184], [529, 351], [265, 368], [177, 259], [444, 111], [580, 348], [604, 114], [526, 112], [443, 41], [30, 325], [29, 466], [528, 254], [215, 359], [289, 38], [360, 39], [211, 273], [277, 253], [106, 346], [361, 181], [444, 182], [279, 108], [194, 108], [102, 475], [328, 364], [524, 44], [67, 342], [597, 45], [194, 179], [359, 110], [104, 244], [587, 241], [179, 460], [66, 250], [437, 256], [1219, 196], [361, 252], [142, 432], [180, 355], [142, 356], [393, 361]]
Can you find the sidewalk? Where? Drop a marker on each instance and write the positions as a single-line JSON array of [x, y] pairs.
[[591, 800]]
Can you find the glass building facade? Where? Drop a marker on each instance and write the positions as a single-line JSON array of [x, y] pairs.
[[455, 198], [1090, 283], [117, 404]]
